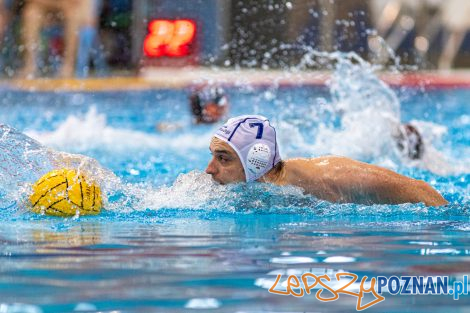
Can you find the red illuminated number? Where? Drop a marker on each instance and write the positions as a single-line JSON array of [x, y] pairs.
[[169, 38], [160, 34], [183, 34]]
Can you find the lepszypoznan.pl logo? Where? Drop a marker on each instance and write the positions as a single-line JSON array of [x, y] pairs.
[[328, 289]]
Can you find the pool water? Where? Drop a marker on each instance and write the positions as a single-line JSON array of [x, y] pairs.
[[170, 240]]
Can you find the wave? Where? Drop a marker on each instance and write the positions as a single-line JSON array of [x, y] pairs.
[[91, 131], [361, 121]]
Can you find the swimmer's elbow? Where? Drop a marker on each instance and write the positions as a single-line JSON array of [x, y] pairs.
[[437, 202], [430, 196], [406, 190]]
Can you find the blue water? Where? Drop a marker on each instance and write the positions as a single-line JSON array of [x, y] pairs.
[[169, 240]]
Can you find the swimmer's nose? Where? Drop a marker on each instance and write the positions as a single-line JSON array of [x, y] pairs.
[[211, 170]]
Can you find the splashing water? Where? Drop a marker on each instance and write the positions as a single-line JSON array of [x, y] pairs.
[[359, 121], [197, 190], [25, 160], [368, 111], [362, 120], [94, 132], [22, 160]]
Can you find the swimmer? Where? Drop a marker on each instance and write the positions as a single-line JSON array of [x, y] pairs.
[[208, 105], [409, 141], [245, 149]]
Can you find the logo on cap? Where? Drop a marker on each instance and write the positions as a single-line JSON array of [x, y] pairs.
[[258, 158]]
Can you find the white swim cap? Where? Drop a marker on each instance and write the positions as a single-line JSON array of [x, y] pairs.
[[254, 140]]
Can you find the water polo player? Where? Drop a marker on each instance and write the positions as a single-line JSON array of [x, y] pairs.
[[208, 105], [409, 141], [245, 149]]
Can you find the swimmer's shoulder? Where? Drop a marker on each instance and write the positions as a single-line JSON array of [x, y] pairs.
[[316, 176], [330, 170], [318, 164], [328, 163], [312, 169]]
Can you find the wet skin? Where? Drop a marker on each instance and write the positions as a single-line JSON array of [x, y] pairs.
[[225, 165], [331, 178]]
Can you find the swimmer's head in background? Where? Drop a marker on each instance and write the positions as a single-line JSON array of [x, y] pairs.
[[410, 142], [208, 104], [254, 140]]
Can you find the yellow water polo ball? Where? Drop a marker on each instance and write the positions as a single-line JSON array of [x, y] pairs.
[[64, 192]]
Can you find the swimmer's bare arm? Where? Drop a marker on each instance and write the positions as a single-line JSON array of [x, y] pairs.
[[339, 179]]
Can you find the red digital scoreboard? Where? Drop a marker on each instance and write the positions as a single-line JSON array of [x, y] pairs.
[[180, 33], [170, 38]]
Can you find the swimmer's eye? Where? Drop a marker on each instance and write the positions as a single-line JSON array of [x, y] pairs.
[[222, 159]]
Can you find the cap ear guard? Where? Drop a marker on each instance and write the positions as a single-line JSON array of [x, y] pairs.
[[258, 158], [254, 140]]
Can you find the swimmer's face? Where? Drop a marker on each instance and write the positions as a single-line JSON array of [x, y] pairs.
[[225, 165], [212, 113]]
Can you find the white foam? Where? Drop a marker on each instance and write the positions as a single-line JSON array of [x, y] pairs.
[[19, 308], [369, 116], [191, 190], [82, 133], [434, 160], [293, 260], [339, 259], [203, 303]]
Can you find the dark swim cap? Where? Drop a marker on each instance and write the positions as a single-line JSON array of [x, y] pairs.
[[410, 142], [208, 105]]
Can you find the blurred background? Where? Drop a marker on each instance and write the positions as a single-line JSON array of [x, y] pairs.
[[83, 38]]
